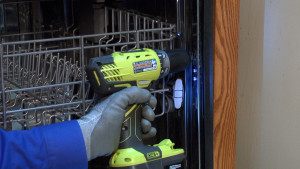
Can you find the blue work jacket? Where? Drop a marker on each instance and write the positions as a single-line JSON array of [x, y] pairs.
[[56, 146]]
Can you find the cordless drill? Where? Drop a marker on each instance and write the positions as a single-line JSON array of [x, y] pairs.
[[140, 67]]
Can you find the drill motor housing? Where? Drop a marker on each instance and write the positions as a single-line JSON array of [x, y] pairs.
[[112, 73]]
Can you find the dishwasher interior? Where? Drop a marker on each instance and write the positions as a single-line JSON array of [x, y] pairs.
[[46, 44]]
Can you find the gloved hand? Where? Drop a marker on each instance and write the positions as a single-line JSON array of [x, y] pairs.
[[101, 127]]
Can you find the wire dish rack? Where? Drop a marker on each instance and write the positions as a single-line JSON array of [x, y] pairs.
[[43, 81]]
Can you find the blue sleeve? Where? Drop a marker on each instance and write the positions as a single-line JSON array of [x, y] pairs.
[[57, 146]]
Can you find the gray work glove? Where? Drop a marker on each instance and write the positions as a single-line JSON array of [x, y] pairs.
[[101, 127]]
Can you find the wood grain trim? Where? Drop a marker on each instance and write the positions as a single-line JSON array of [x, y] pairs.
[[226, 28]]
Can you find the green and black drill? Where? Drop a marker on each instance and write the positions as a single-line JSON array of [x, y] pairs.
[[140, 67]]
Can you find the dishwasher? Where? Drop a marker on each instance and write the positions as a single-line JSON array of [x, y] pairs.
[[46, 44]]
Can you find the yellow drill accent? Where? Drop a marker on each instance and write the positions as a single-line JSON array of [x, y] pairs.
[[95, 73], [123, 85]]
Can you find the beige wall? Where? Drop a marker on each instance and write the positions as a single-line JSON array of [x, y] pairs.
[[268, 115]]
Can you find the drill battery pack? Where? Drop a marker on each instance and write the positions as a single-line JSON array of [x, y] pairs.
[[162, 156]]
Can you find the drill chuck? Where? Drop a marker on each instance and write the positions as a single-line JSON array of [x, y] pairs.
[[172, 61]]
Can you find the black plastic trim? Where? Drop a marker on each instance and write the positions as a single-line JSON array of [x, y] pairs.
[[207, 65]]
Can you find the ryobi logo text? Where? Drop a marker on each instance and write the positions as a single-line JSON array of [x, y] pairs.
[[153, 154]]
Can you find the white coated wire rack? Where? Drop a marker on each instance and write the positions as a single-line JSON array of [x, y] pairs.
[[43, 81]]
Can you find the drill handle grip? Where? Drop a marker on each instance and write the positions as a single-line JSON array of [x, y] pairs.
[[131, 134]]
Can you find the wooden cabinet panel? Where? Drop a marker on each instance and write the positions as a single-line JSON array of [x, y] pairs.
[[226, 28]]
